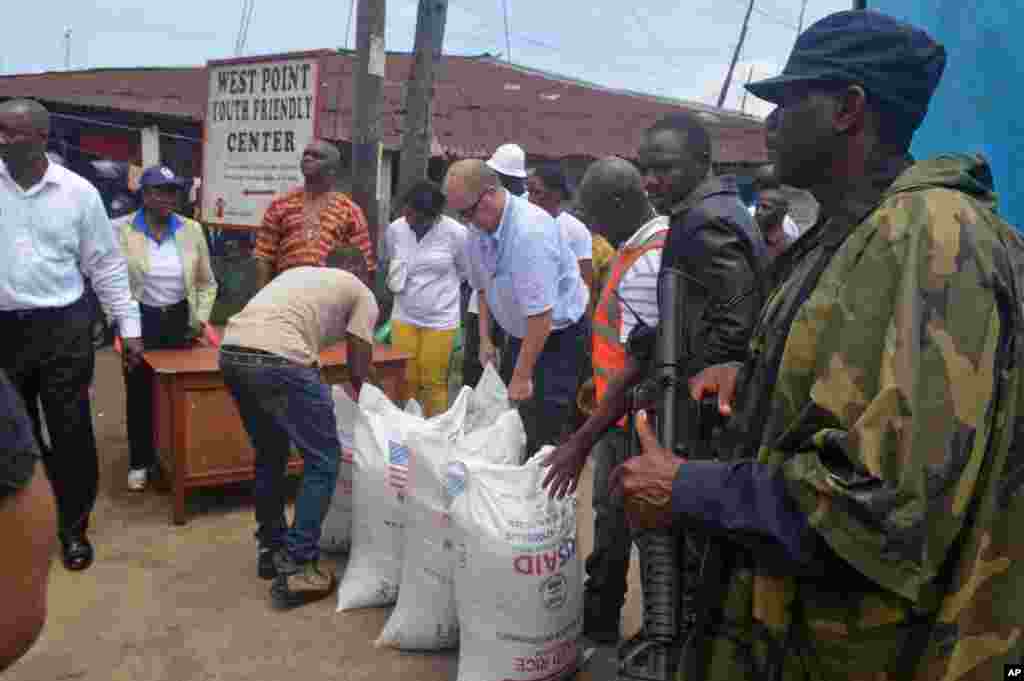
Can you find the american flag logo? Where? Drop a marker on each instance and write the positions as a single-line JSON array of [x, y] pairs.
[[398, 466]]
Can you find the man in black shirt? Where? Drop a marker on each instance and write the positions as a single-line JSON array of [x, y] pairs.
[[713, 241]]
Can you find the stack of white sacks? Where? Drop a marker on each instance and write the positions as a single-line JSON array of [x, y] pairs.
[[443, 521]]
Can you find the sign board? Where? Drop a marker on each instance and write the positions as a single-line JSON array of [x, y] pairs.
[[260, 115], [976, 108]]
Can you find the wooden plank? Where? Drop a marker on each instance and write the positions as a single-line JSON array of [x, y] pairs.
[[217, 439], [179, 435], [203, 359]]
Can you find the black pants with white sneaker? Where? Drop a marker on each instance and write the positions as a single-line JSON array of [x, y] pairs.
[[162, 328]]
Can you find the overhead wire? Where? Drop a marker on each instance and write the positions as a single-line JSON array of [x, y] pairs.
[[120, 126]]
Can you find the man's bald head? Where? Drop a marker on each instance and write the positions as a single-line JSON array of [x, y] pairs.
[[321, 163], [24, 131], [329, 149], [612, 175], [612, 196], [471, 175], [30, 110], [471, 190]]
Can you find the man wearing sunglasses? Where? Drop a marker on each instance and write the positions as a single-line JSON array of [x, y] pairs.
[[530, 282]]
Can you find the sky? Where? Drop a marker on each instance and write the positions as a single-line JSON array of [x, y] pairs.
[[670, 48]]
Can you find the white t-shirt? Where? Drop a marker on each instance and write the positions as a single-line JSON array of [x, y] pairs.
[[638, 286], [165, 281], [434, 269], [581, 243], [302, 312]]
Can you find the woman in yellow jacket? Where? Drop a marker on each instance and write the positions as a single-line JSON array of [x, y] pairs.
[[171, 277]]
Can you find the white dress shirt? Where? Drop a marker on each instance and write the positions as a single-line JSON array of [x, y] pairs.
[[434, 269], [52, 236]]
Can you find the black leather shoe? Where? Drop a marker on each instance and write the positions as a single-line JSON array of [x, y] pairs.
[[265, 565], [78, 553]]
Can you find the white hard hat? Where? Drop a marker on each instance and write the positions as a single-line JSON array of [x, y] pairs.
[[508, 159]]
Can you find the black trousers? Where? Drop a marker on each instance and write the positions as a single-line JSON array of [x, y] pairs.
[[162, 328], [49, 351]]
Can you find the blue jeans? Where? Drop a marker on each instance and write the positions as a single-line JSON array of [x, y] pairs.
[[282, 402]]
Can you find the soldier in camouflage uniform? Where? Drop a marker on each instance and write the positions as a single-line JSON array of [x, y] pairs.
[[883, 403]]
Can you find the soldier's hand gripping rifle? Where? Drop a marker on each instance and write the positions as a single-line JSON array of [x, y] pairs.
[[672, 564]]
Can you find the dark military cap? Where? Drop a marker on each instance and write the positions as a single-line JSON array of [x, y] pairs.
[[897, 64]]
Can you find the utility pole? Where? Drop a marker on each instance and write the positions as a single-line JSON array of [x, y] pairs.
[[366, 105], [348, 25], [248, 7], [736, 55], [750, 77], [67, 48], [803, 12], [419, 93], [508, 41]]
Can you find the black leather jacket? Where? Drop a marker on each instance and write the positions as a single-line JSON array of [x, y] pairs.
[[716, 246]]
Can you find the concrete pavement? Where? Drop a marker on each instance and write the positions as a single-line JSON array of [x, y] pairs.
[[168, 603]]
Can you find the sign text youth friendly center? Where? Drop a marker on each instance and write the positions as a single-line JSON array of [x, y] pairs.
[[260, 115]]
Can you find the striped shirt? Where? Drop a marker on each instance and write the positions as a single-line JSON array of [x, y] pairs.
[[638, 287], [294, 234]]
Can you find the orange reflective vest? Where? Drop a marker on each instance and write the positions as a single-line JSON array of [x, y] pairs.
[[609, 353]]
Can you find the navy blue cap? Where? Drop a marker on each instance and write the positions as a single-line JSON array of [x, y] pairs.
[[897, 64], [159, 176]]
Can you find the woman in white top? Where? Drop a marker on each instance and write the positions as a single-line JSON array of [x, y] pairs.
[[170, 274], [426, 250]]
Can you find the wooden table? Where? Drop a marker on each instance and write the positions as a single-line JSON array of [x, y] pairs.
[[198, 434]]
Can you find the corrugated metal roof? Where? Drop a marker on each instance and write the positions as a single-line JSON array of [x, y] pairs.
[[480, 102]]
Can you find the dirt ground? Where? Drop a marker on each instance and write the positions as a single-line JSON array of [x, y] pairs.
[[183, 603]]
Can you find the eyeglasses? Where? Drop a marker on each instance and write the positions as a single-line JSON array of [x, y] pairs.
[[467, 213]]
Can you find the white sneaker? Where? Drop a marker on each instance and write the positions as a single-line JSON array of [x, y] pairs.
[[137, 478]]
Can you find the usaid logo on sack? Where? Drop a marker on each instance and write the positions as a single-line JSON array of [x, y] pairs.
[[554, 591], [545, 562], [1013, 671], [398, 466], [455, 480]]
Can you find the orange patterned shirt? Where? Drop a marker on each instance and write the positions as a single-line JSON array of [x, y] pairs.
[[296, 233]]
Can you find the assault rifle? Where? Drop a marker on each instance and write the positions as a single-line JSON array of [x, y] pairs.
[[673, 564]]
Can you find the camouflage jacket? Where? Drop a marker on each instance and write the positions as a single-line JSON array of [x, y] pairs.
[[884, 385]]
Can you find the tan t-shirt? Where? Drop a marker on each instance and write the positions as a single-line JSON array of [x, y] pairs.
[[303, 311]]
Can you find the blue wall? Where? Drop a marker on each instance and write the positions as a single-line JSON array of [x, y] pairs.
[[979, 105]]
